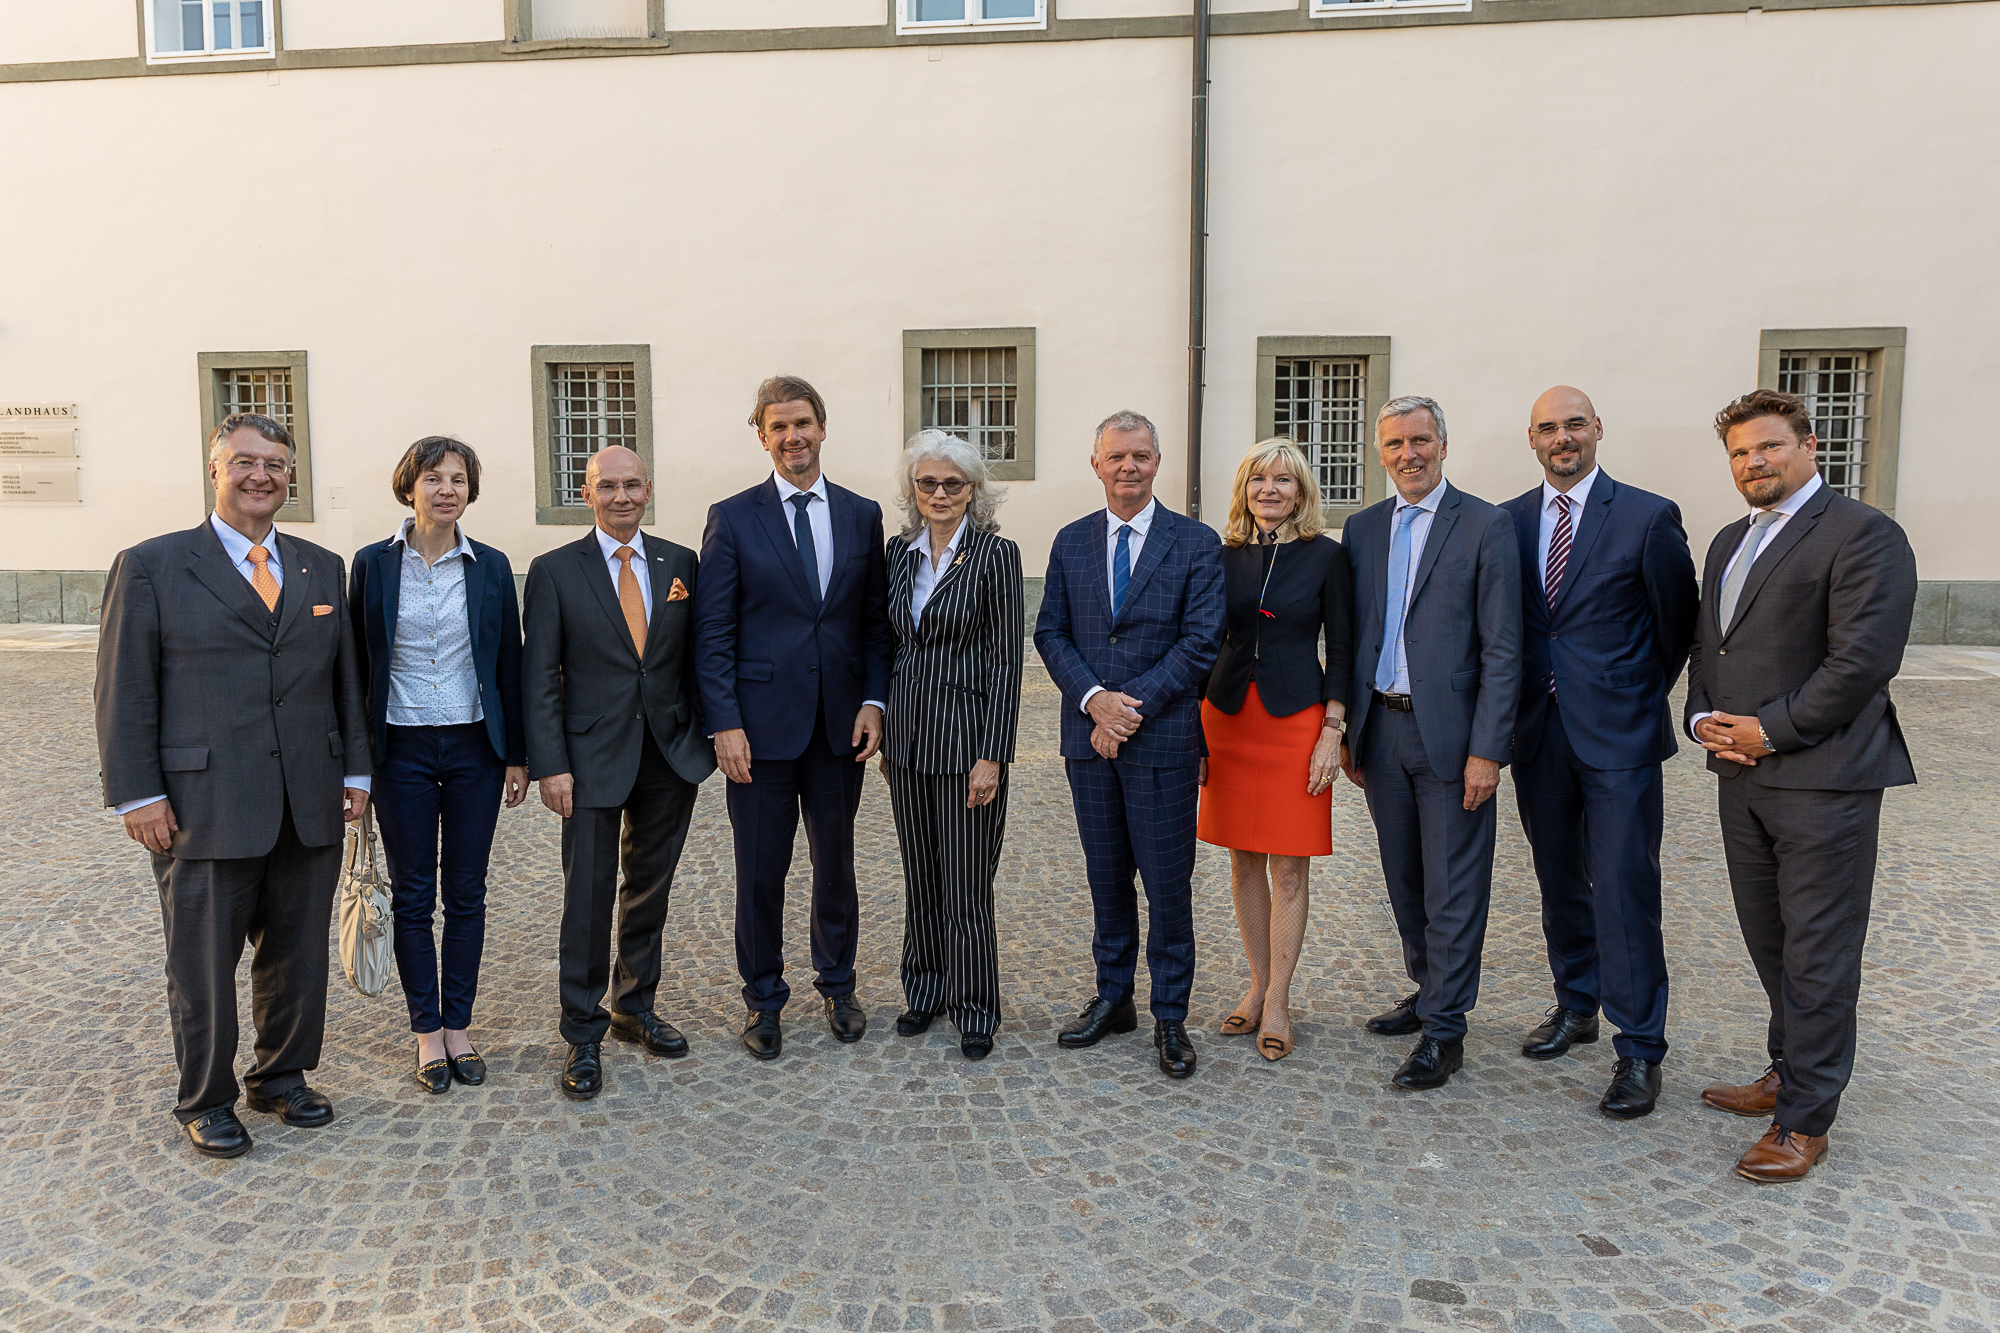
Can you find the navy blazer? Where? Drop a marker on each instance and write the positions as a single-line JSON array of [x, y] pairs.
[[761, 647], [1159, 649], [491, 611], [1462, 633], [1618, 635]]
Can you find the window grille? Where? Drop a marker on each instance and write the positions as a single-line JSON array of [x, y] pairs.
[[972, 393], [1322, 406], [266, 391], [590, 407], [1834, 386]]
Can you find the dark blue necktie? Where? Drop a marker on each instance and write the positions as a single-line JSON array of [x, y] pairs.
[[802, 531], [1121, 569]]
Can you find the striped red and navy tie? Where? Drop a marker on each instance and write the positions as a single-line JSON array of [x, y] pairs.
[[1558, 551]]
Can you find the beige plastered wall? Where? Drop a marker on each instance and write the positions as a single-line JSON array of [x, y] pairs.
[[69, 30], [323, 24], [1618, 204]]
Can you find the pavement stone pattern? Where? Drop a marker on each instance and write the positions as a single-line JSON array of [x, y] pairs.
[[892, 1185]]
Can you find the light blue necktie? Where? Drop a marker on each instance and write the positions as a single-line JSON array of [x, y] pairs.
[[1121, 570], [1399, 583]]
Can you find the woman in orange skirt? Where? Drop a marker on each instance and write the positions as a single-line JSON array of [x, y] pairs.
[[1273, 715]]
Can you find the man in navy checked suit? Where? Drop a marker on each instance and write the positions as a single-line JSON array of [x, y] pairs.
[[1131, 620]]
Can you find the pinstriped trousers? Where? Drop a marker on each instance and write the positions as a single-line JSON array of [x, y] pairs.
[[951, 947]]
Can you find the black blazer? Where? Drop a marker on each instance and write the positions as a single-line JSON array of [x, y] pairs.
[[491, 611], [1819, 634], [587, 699], [955, 685], [1311, 592]]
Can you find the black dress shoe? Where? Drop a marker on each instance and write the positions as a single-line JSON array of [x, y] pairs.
[[468, 1069], [219, 1134], [763, 1035], [1634, 1090], [1561, 1029], [1399, 1019], [299, 1106], [975, 1045], [583, 1072], [913, 1022], [1099, 1019], [1431, 1065], [1176, 1051], [651, 1032], [846, 1017], [434, 1077]]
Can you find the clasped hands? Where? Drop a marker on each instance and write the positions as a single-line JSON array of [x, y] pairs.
[[1117, 718], [1734, 737]]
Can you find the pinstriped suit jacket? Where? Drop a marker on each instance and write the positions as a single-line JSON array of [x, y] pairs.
[[955, 688]]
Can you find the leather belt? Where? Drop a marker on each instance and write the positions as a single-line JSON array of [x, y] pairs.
[[1395, 703]]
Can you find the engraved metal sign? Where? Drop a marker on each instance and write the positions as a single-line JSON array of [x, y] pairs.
[[39, 483]]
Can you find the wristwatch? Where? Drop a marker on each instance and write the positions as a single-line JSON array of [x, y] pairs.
[[1765, 737], [1339, 724]]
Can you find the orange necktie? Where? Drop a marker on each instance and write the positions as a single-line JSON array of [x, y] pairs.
[[262, 581], [629, 600]]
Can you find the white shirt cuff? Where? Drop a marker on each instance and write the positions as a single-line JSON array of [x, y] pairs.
[[877, 702], [358, 783], [1084, 706], [122, 810], [1694, 722]]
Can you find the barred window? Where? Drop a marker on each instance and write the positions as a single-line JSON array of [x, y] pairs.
[[590, 407], [973, 393], [265, 390], [1835, 388], [1321, 404], [271, 384]]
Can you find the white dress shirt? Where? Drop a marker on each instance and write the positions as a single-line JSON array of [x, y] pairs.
[[432, 679], [1141, 523], [1784, 509], [1420, 531], [819, 514], [641, 569], [237, 547], [1579, 496], [928, 573]]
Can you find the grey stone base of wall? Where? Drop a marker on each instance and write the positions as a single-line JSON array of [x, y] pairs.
[[1967, 613]]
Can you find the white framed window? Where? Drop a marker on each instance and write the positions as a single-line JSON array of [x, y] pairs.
[[1001, 15], [1330, 9], [210, 29]]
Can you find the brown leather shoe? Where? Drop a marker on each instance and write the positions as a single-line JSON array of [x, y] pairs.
[[1781, 1156], [1758, 1099]]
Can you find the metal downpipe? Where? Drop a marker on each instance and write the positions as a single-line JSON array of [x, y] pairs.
[[1197, 258]]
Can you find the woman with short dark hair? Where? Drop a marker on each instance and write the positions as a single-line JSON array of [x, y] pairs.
[[439, 632]]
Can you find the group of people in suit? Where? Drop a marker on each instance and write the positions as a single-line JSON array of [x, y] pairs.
[[252, 697]]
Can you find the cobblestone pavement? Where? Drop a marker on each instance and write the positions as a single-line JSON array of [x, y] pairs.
[[891, 1185]]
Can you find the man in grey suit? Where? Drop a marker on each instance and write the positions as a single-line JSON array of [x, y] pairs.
[[614, 727], [1806, 605], [233, 741], [1437, 680]]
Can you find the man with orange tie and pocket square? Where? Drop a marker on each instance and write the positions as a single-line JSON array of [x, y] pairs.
[[615, 739]]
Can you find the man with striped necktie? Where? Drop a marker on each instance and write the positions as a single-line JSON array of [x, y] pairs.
[[1608, 601]]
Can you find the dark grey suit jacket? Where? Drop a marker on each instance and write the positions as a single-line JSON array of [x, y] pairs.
[[955, 688], [230, 709], [587, 698], [1819, 633], [1462, 633]]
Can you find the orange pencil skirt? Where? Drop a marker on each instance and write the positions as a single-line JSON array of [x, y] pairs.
[[1256, 800]]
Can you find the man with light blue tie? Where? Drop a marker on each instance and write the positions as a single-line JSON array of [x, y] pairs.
[[1437, 669]]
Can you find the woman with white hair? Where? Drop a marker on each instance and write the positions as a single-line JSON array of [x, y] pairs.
[[1273, 715], [954, 704]]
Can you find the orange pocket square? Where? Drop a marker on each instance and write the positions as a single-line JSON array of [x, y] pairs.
[[322, 610], [678, 592]]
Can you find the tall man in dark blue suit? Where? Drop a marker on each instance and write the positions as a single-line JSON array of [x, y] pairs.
[[1437, 676], [1608, 599], [1131, 621], [793, 644]]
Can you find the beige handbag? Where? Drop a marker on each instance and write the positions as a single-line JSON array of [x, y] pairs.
[[367, 920]]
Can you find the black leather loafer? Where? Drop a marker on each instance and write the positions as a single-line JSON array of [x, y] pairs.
[[468, 1069], [763, 1035], [1634, 1090], [1176, 1051], [1399, 1019], [651, 1032], [299, 1106], [583, 1072], [913, 1022], [218, 1134], [1099, 1019], [1431, 1064], [1561, 1029], [975, 1045], [844, 1015], [434, 1077]]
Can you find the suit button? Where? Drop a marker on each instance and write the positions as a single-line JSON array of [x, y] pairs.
[[638, 717], [1722, 652], [281, 703], [276, 653], [1113, 639], [1554, 637], [812, 671], [274, 754]]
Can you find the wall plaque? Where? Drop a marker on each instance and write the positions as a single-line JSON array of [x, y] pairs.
[[39, 483]]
